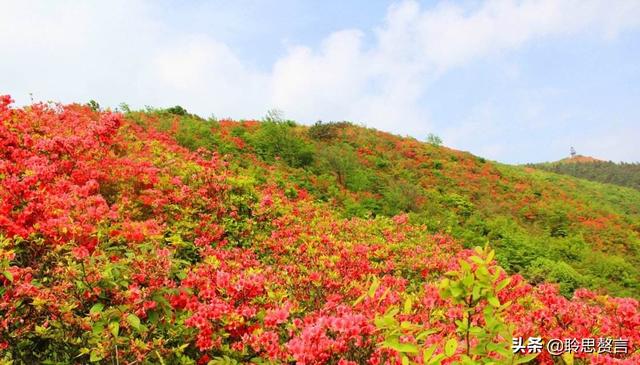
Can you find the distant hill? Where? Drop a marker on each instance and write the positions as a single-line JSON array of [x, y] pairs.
[[579, 159], [585, 167]]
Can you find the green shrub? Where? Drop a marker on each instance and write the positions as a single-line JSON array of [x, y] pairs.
[[278, 139], [434, 140], [177, 110], [343, 162], [400, 196], [195, 133], [326, 131], [543, 269]]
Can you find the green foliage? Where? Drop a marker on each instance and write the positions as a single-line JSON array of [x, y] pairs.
[[543, 269], [93, 105], [623, 174], [195, 133], [124, 107], [475, 286], [483, 334], [606, 269], [274, 116], [400, 197], [434, 139], [460, 204], [279, 139], [177, 110], [342, 161], [393, 331], [326, 131]]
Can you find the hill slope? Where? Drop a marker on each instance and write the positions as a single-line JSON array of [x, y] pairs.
[[544, 226], [623, 174], [123, 241]]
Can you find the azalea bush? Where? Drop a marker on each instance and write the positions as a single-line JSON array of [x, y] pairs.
[[118, 245]]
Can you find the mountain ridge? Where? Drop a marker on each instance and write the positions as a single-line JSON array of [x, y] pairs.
[[621, 174]]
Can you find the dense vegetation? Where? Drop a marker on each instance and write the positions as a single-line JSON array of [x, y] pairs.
[[623, 173], [159, 237], [544, 226]]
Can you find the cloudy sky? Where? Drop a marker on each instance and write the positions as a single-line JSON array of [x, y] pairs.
[[513, 81]]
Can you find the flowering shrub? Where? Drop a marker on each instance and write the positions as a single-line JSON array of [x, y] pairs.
[[117, 245]]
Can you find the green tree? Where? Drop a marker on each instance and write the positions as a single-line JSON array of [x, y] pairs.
[[434, 139]]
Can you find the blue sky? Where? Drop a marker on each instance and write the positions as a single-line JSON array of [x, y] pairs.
[[513, 81]]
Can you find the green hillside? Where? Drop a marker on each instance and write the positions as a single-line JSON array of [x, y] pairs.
[[543, 225], [623, 174]]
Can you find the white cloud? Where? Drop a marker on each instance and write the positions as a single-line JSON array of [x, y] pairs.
[[126, 51], [207, 74], [310, 83]]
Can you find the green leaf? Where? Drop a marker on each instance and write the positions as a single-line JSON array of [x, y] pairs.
[[465, 265], [134, 321], [477, 260], [384, 294], [8, 275], [475, 291], [436, 360], [374, 286], [467, 281], [405, 325], [490, 256], [97, 308], [456, 291], [505, 305], [95, 356], [408, 303], [358, 301], [482, 272], [386, 322], [152, 317], [394, 344], [494, 301], [450, 347], [97, 328], [503, 284], [114, 327], [224, 360], [160, 358], [426, 354], [83, 351], [422, 335]]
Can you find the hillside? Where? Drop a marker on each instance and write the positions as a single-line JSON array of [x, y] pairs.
[[578, 159], [159, 237], [542, 225], [623, 174]]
